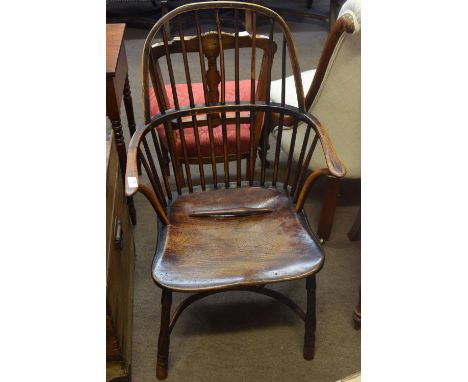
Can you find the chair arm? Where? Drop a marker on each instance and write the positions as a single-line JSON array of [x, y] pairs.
[[131, 172], [334, 164], [132, 184], [307, 185]]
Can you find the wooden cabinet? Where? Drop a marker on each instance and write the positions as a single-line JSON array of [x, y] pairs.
[[120, 260]]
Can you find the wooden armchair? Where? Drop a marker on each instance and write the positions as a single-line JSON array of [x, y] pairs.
[[334, 97], [201, 54], [224, 227]]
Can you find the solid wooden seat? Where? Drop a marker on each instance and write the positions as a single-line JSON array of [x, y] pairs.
[[204, 253]]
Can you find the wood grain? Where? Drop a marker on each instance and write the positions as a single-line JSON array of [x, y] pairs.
[[206, 253], [114, 33]]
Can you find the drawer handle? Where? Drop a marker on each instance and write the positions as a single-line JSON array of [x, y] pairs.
[[118, 233]]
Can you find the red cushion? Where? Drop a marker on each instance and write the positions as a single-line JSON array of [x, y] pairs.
[[189, 134]]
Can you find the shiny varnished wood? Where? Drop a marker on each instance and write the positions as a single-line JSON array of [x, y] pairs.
[[114, 37], [258, 249]]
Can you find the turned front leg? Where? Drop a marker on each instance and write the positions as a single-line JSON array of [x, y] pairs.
[[128, 103], [164, 333], [310, 320]]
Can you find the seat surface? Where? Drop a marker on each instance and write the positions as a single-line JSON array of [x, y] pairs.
[[205, 253]]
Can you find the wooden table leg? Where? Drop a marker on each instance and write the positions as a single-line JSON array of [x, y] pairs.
[[121, 150], [127, 97], [128, 103]]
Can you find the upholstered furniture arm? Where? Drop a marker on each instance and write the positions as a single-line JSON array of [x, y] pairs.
[[348, 22]]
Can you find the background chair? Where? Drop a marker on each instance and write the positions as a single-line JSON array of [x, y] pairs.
[[223, 228], [334, 97], [203, 83]]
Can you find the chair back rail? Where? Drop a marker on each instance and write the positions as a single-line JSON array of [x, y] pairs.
[[294, 178]]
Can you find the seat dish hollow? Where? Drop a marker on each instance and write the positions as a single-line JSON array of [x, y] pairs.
[[207, 253]]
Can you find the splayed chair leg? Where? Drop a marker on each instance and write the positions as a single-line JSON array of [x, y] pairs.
[[163, 342], [332, 189], [310, 320]]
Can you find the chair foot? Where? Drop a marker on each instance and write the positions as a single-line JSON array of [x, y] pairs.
[[164, 333], [161, 371], [310, 320]]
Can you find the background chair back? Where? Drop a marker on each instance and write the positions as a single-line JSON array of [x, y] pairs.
[[214, 35], [335, 94]]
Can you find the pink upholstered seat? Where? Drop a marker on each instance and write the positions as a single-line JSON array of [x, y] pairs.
[[183, 97]]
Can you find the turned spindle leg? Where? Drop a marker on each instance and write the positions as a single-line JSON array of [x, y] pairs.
[[310, 321], [128, 103], [122, 152], [163, 342]]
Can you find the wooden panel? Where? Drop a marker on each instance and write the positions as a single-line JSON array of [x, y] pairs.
[[114, 38], [115, 86], [112, 179], [120, 267]]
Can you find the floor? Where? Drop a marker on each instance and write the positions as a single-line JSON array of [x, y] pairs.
[[238, 336]]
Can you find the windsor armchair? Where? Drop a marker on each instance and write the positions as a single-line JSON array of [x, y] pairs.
[[201, 52], [334, 96], [223, 227]]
